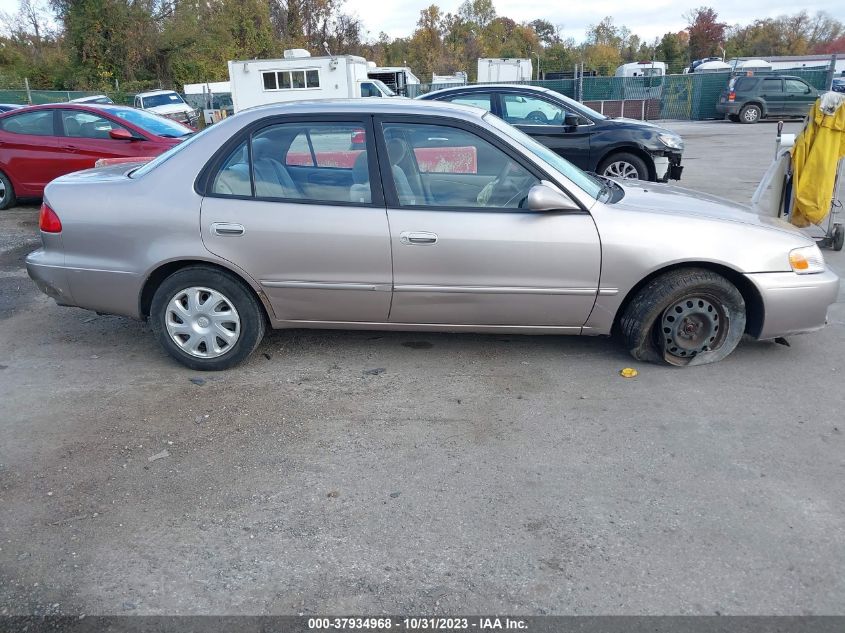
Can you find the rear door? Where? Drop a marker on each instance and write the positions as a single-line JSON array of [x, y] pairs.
[[543, 119], [799, 97], [771, 90], [319, 246], [29, 151]]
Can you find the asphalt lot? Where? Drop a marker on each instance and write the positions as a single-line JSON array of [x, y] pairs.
[[475, 474]]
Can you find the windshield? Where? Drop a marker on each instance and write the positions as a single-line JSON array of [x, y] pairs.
[[580, 108], [152, 123], [383, 87], [590, 185], [166, 98]]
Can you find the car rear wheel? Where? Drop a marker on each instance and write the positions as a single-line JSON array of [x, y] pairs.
[[750, 113], [7, 192], [685, 317], [624, 165], [206, 319]]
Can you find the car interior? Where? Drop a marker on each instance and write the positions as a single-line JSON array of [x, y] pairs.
[[430, 166]]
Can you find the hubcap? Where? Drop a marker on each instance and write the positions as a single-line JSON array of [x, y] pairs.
[[622, 169], [203, 322], [693, 325], [2, 190], [750, 114]]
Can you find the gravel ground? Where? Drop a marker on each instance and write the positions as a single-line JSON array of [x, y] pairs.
[[474, 474]]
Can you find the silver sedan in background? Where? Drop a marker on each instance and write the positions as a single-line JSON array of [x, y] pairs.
[[418, 215]]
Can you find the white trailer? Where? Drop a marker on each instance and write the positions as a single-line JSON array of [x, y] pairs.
[[780, 63], [457, 79], [643, 80], [300, 77], [397, 78], [494, 70]]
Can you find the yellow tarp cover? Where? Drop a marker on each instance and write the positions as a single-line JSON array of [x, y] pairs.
[[815, 157]]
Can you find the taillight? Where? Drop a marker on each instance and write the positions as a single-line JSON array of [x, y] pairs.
[[731, 96], [48, 221]]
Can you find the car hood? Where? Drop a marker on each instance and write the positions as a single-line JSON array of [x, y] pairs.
[[638, 123], [655, 197], [170, 108]]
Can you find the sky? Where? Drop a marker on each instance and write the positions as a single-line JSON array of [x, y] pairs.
[[647, 19], [650, 19]]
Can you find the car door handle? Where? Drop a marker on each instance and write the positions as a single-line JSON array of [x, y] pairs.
[[227, 229], [70, 148], [418, 238]]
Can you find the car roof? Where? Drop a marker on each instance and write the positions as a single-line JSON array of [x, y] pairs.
[[75, 105], [488, 88], [154, 92], [389, 105]]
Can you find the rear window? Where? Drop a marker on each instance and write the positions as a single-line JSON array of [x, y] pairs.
[[744, 84]]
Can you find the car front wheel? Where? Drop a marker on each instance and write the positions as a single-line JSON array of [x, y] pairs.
[[624, 165], [206, 319], [684, 317]]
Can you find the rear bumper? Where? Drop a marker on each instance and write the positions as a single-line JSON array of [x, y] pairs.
[[50, 277], [794, 304], [728, 108]]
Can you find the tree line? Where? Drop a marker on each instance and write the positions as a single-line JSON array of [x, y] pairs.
[[135, 44]]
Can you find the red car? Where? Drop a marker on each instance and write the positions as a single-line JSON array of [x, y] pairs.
[[40, 143]]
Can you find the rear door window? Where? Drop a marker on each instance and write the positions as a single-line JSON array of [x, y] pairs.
[[772, 86], [34, 123]]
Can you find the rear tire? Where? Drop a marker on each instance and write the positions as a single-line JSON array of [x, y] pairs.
[[206, 319], [624, 165], [750, 113], [685, 317], [7, 192], [838, 237]]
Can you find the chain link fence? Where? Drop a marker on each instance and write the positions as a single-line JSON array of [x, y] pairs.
[[689, 97]]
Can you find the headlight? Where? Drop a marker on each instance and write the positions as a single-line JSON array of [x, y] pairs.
[[670, 140], [806, 260]]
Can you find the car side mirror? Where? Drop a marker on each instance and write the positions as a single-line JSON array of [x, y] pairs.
[[542, 197], [119, 134], [571, 120]]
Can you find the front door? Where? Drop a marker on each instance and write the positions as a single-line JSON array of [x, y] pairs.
[[294, 206], [465, 251], [85, 139], [544, 120], [799, 96]]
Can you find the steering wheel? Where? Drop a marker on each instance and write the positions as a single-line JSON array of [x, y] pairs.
[[537, 117], [504, 189]]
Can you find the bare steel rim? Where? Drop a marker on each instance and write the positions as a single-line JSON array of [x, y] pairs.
[[693, 325], [202, 322], [622, 169]]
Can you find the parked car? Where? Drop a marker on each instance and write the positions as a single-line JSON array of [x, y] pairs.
[[485, 231], [838, 84], [624, 148], [747, 99], [167, 103], [40, 143], [102, 99], [5, 107]]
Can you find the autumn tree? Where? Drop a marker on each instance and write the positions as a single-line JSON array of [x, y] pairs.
[[706, 33]]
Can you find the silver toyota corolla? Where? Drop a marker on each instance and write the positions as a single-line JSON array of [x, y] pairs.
[[388, 214]]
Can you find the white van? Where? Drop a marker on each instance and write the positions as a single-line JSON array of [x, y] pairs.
[[300, 77], [643, 80]]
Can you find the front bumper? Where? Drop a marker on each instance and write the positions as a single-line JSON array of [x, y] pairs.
[[667, 166], [794, 304]]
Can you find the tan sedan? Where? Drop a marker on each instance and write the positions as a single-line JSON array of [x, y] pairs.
[[417, 215]]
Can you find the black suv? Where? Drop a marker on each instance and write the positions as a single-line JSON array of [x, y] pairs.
[[749, 99], [624, 148]]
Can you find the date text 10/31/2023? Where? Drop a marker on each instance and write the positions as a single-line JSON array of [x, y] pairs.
[[477, 623]]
